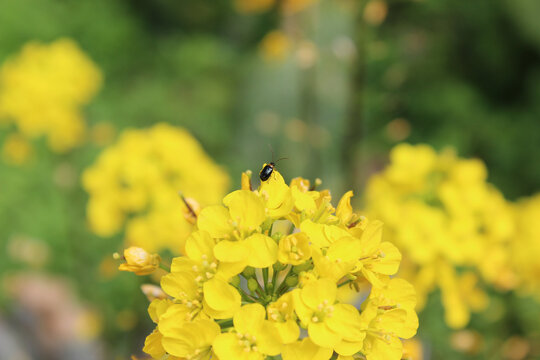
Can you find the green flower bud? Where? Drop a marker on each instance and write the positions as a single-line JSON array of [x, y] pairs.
[[278, 267], [302, 267], [252, 285], [291, 281], [248, 272]]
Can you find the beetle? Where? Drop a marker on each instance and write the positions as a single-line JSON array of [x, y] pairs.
[[268, 168], [266, 171]]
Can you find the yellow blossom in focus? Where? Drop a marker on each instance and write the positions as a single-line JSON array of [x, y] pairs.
[[60, 79], [139, 261], [251, 339], [260, 277], [136, 181]]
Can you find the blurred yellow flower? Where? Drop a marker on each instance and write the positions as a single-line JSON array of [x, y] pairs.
[[442, 214], [287, 7], [526, 245], [60, 79], [135, 182], [16, 149], [275, 46]]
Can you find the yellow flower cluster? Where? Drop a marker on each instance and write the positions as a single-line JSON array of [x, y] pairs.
[[526, 245], [43, 89], [260, 278], [442, 213], [136, 182]]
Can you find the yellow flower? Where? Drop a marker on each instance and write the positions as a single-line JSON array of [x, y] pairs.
[[281, 314], [237, 225], [390, 315], [329, 325], [276, 195], [139, 261], [135, 183], [191, 340], [60, 79], [250, 281], [252, 338], [443, 215], [305, 349], [294, 249]]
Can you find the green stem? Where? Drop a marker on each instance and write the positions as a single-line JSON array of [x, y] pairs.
[[265, 278], [165, 267], [225, 323], [245, 296], [344, 283]]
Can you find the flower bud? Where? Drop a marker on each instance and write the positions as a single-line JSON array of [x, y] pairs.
[[139, 261], [279, 266], [302, 267], [291, 281], [248, 272], [252, 285]]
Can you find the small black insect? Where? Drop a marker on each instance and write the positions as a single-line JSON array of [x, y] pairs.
[[266, 171]]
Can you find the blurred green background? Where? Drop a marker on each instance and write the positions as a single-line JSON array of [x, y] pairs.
[[356, 78]]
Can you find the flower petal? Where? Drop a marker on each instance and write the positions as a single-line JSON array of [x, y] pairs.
[[263, 251]]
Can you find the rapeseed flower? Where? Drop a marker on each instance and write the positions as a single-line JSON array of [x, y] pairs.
[[441, 212], [139, 261], [260, 277], [60, 79], [135, 183]]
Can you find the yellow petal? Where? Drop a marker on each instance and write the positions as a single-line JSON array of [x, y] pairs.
[[344, 249], [303, 201], [321, 335], [390, 259], [216, 221], [305, 350], [319, 291], [344, 209], [249, 318], [348, 348], [262, 249], [371, 237], [315, 232], [157, 308], [268, 340], [231, 251], [246, 209], [152, 345], [200, 243], [346, 321], [226, 347], [221, 296], [287, 331]]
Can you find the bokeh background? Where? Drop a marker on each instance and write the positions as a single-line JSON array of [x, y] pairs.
[[332, 85]]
